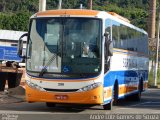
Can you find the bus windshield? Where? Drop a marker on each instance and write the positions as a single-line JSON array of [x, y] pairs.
[[69, 46]]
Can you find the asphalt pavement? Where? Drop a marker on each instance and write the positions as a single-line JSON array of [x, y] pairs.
[[148, 108]]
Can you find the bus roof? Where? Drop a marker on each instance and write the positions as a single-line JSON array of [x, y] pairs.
[[77, 12], [80, 13], [118, 16]]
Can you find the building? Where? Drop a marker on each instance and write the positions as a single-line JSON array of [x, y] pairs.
[[8, 45], [10, 37]]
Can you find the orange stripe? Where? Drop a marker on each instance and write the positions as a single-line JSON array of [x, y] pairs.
[[127, 89], [77, 12]]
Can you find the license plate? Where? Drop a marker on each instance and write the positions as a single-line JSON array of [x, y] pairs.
[[61, 97]]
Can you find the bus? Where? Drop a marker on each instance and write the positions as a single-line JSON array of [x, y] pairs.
[[78, 56]]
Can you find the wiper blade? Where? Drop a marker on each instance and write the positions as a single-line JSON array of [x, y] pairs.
[[44, 69]]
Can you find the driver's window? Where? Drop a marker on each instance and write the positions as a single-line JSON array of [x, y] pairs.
[[52, 35]]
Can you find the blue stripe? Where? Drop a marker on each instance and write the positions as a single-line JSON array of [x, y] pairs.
[[112, 76]]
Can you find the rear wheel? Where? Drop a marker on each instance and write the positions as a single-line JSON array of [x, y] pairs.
[[108, 106], [49, 104], [137, 96]]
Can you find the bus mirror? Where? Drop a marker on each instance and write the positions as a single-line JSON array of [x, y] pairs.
[[110, 49], [20, 45], [108, 44], [106, 34]]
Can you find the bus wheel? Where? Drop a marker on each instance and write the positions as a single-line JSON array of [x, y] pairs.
[[49, 104], [108, 106], [115, 93], [137, 96]]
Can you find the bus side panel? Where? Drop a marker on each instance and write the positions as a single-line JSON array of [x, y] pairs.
[[128, 79]]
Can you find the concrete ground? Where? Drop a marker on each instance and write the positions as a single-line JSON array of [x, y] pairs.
[[12, 95]]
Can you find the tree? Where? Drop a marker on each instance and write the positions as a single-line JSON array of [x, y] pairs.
[[15, 10]]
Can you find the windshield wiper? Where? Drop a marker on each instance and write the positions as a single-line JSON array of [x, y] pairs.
[[44, 69]]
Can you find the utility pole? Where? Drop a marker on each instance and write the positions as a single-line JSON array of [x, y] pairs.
[[152, 19], [60, 4], [4, 5], [42, 5], [90, 4], [157, 46], [151, 33]]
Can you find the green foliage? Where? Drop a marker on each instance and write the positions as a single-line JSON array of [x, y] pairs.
[[14, 14], [18, 21], [151, 77]]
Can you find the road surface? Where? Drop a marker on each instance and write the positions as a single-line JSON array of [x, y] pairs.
[[148, 108]]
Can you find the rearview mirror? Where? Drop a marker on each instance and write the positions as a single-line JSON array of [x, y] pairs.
[[108, 44], [20, 45]]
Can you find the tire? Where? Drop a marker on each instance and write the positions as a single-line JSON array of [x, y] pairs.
[[114, 100], [137, 96], [49, 104], [115, 94], [108, 106]]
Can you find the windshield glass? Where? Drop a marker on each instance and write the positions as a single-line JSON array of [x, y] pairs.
[[68, 46]]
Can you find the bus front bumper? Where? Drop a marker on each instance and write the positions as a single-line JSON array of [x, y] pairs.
[[94, 96]]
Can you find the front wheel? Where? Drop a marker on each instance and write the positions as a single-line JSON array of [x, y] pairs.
[[48, 104], [108, 106]]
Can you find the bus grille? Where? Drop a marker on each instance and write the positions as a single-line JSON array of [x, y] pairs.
[[61, 90]]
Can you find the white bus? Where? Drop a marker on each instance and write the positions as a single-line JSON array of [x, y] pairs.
[[84, 57]]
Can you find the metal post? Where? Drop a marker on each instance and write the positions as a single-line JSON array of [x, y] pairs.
[[81, 6], [157, 48], [60, 4], [42, 5]]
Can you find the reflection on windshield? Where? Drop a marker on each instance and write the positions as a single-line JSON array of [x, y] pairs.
[[75, 42]]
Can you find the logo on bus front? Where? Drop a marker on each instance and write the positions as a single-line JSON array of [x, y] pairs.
[[60, 84]]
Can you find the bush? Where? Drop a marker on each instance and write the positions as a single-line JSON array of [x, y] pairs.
[[151, 77]]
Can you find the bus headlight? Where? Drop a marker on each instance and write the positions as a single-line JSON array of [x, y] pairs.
[[34, 86], [90, 87]]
